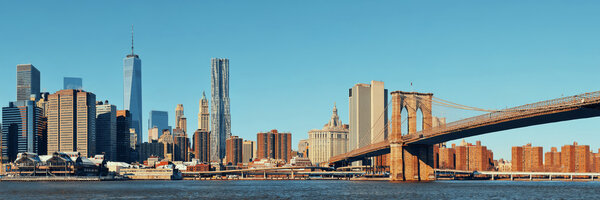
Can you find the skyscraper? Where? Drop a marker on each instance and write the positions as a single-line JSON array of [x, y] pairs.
[[203, 114], [22, 126], [178, 113], [368, 114], [72, 122], [160, 120], [28, 82], [123, 136], [132, 89], [220, 116], [72, 83], [106, 130]]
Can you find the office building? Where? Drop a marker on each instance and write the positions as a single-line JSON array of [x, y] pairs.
[[106, 130], [303, 148], [203, 114], [132, 90], [181, 147], [153, 134], [233, 150], [160, 120], [123, 136], [72, 83], [330, 141], [220, 115], [21, 129], [28, 82], [368, 114], [202, 145], [72, 122], [274, 145], [247, 151]]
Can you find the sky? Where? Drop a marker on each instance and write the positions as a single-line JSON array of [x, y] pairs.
[[290, 61]]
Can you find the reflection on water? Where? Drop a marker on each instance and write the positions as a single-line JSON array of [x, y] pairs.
[[300, 190]]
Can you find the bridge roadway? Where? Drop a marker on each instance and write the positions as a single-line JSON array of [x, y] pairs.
[[555, 110], [238, 171]]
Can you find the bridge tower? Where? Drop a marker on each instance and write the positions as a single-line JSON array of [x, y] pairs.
[[412, 162]]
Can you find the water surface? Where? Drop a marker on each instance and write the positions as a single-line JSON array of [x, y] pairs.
[[314, 189]]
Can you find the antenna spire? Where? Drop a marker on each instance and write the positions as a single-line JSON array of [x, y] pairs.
[[132, 40]]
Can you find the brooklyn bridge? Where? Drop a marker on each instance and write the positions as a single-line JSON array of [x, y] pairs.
[[411, 154]]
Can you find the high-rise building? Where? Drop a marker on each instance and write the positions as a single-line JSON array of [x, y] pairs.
[[178, 115], [247, 151], [274, 145], [552, 160], [28, 82], [22, 127], [531, 158], [220, 115], [517, 159], [446, 158], [72, 122], [472, 157], [153, 134], [202, 145], [123, 136], [106, 130], [132, 90], [330, 141], [368, 114], [160, 120], [203, 114], [72, 83], [181, 147], [234, 150], [303, 148]]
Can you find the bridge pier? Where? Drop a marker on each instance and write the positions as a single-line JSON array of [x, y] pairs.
[[411, 162]]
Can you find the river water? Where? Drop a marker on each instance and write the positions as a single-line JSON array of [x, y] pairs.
[[314, 189]]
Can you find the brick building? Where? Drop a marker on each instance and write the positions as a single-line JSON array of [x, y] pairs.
[[201, 145], [233, 150], [552, 160], [528, 158], [466, 157], [274, 145]]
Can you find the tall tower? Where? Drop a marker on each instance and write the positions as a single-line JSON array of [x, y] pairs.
[[203, 114], [178, 115], [28, 82], [132, 90], [220, 116]]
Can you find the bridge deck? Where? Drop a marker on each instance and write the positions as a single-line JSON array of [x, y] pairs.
[[555, 110]]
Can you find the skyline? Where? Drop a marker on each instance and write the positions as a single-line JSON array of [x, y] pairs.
[[303, 69]]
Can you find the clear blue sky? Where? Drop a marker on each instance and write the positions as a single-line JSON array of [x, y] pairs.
[[291, 60]]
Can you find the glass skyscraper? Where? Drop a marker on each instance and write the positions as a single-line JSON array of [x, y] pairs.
[[73, 83], [21, 129], [28, 82], [132, 91], [220, 116], [160, 120]]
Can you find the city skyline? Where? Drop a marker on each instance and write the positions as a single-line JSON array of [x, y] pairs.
[[452, 66]]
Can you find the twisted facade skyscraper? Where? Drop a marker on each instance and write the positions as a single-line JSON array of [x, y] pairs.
[[220, 116]]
